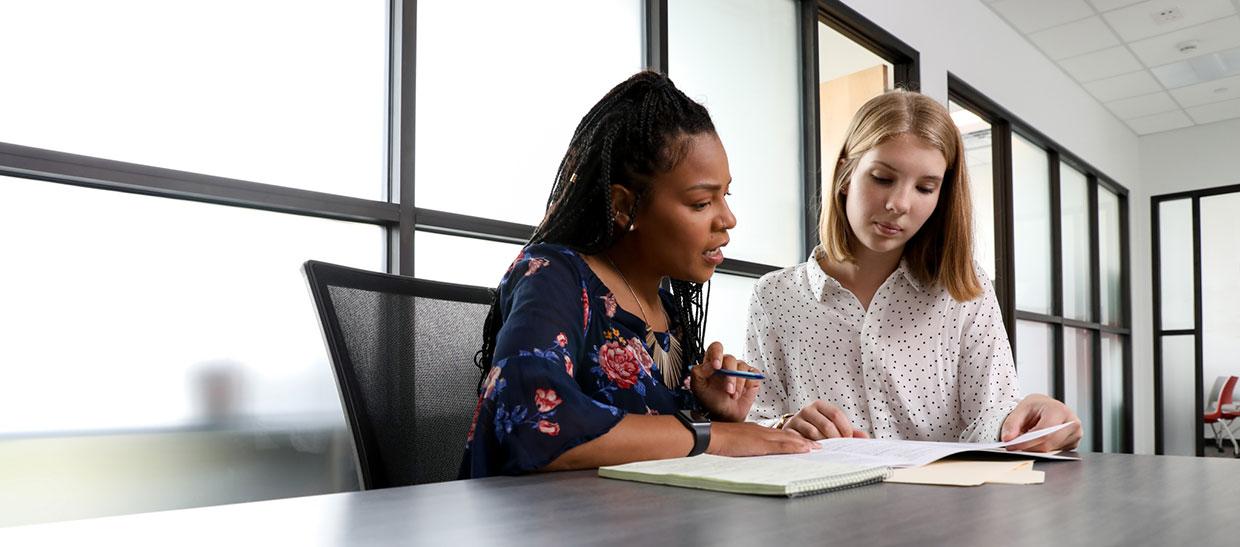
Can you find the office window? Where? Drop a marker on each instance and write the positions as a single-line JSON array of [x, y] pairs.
[[758, 116], [1032, 212], [1059, 227], [272, 91], [1074, 212], [1109, 257], [729, 309], [473, 261], [1112, 392], [500, 88], [1079, 381], [976, 133], [1035, 353], [165, 352]]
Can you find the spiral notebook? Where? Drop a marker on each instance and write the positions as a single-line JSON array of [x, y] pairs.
[[762, 476]]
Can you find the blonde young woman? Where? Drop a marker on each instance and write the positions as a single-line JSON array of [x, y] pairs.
[[890, 329]]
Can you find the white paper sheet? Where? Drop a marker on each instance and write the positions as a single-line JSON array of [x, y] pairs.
[[897, 453]]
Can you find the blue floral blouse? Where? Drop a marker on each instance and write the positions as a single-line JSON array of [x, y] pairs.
[[568, 365]]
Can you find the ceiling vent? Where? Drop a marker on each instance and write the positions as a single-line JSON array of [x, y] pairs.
[[1164, 16]]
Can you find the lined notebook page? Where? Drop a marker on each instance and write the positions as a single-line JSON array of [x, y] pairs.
[[785, 477]]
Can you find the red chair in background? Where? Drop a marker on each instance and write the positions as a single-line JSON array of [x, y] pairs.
[[1230, 414], [1221, 412]]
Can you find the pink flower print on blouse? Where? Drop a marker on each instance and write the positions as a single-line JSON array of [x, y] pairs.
[[643, 356], [535, 265], [548, 427], [546, 399], [609, 304], [619, 364]]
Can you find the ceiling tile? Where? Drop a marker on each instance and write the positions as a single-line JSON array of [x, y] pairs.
[[1138, 21], [1034, 15], [1075, 38], [1145, 105], [1208, 92], [1123, 86], [1101, 64], [1214, 112], [1159, 122], [1107, 5], [1210, 37]]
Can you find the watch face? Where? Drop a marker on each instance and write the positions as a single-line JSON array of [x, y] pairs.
[[696, 417]]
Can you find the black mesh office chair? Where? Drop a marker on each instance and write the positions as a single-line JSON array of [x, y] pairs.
[[402, 350]]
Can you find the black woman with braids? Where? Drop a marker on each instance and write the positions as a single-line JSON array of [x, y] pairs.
[[586, 360]]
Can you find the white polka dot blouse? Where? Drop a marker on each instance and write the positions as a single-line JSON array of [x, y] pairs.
[[916, 365]]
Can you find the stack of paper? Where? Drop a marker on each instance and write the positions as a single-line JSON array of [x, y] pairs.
[[970, 473]]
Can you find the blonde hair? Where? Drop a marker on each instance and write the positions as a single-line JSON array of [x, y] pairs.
[[941, 252]]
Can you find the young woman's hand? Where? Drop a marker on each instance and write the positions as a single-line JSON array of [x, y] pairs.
[[1038, 411], [822, 420], [728, 398], [750, 439]]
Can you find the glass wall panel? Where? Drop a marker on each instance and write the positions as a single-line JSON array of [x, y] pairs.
[[1112, 392], [1035, 357], [1175, 248], [1181, 417], [273, 91], [729, 310], [1078, 380], [979, 160], [169, 353], [1220, 287], [500, 88], [1109, 257], [462, 260], [848, 76], [758, 116], [1032, 212], [1074, 214]]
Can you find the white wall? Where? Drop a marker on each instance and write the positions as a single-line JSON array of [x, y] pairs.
[[972, 42], [1192, 158]]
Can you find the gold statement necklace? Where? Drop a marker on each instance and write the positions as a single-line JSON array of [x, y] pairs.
[[669, 362]]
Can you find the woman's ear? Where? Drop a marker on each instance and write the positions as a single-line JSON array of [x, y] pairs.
[[622, 200]]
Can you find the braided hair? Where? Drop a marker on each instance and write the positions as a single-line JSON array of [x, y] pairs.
[[637, 130]]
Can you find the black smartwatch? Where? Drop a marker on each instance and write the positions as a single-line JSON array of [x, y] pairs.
[[699, 425]]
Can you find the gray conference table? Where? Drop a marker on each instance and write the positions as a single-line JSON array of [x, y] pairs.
[[1105, 499]]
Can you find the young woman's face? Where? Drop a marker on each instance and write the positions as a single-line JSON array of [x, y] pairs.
[[892, 192], [685, 220]]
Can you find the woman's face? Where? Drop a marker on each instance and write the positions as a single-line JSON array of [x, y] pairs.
[[892, 192], [684, 222]]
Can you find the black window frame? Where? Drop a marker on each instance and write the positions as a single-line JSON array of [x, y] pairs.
[[1194, 197], [1003, 125]]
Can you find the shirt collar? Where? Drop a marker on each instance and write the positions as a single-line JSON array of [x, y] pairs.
[[820, 281]]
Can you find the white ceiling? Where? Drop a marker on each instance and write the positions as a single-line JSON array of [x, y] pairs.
[[1157, 65]]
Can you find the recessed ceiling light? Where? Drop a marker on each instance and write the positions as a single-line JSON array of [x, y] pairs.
[[1201, 68]]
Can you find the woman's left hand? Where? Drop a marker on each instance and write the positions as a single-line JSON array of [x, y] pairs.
[[728, 398], [1039, 411]]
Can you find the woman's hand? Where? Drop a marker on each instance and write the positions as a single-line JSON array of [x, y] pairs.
[[728, 398], [750, 439], [1038, 411], [822, 420]]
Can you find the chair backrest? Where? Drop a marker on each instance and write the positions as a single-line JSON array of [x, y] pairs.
[[1225, 396], [402, 351], [1215, 391], [1220, 396]]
